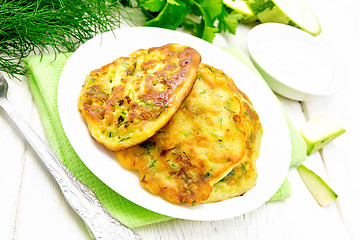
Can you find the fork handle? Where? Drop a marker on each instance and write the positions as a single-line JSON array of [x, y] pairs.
[[80, 197]]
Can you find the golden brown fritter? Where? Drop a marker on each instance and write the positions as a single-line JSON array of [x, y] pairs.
[[243, 177], [215, 132], [129, 100]]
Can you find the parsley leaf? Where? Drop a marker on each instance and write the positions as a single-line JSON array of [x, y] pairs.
[[212, 8], [170, 16], [204, 18], [229, 22], [153, 5], [209, 33]]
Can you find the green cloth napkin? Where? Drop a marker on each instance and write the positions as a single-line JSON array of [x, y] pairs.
[[44, 74]]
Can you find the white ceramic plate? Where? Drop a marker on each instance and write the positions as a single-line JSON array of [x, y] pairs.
[[272, 165], [294, 63]]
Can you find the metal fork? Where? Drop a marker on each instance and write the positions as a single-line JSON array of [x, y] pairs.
[[80, 197]]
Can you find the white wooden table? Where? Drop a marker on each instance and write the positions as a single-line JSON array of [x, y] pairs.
[[32, 207]]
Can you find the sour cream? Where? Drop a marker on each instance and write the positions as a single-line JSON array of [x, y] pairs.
[[294, 63]]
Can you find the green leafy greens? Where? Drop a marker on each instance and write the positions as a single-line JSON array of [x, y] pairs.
[[42, 26], [203, 17]]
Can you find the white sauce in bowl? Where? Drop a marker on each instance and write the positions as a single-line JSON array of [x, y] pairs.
[[294, 63]]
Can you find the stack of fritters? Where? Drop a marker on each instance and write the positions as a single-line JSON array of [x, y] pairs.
[[207, 150]]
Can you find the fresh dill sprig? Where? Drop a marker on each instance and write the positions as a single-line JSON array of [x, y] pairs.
[[44, 26]]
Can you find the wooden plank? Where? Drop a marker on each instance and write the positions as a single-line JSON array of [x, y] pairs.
[[42, 211], [12, 152], [41, 201], [341, 158]]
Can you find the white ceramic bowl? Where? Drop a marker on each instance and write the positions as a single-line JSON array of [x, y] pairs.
[[294, 63]]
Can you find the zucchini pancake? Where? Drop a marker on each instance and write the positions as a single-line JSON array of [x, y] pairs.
[[207, 151], [127, 101]]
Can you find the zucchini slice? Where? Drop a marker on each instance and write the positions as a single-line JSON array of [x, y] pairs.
[[322, 193], [240, 6], [292, 12], [319, 131]]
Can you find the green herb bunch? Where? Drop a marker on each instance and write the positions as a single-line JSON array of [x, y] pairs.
[[203, 17], [43, 26]]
